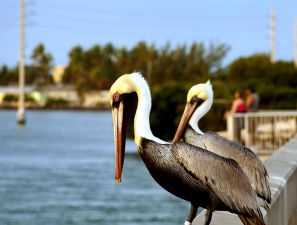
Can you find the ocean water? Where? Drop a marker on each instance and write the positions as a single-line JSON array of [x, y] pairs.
[[59, 169]]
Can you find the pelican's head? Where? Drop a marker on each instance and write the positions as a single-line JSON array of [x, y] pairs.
[[123, 100], [196, 96], [200, 91]]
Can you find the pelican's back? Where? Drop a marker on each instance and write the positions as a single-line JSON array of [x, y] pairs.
[[248, 160]]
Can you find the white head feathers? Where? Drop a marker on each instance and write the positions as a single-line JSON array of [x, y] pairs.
[[203, 91], [135, 82]]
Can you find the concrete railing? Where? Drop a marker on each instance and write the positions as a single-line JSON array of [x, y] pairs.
[[282, 169]]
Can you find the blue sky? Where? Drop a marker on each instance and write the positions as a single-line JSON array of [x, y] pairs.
[[60, 25]]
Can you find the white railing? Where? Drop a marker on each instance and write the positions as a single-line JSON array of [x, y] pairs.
[[263, 131]]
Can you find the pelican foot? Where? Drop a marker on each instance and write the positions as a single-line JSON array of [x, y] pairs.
[[187, 223]]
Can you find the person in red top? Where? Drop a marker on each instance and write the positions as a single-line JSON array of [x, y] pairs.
[[238, 105]]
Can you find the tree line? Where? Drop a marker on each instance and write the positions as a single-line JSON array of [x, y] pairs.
[[170, 71], [97, 67]]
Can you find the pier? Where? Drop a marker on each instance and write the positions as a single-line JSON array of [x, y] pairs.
[[282, 170]]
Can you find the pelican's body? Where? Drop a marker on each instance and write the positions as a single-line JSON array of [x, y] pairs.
[[247, 159], [179, 173], [191, 173]]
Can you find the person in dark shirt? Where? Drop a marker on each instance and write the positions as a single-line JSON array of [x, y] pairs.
[[252, 100]]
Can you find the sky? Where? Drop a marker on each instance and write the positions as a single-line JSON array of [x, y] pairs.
[[62, 24]]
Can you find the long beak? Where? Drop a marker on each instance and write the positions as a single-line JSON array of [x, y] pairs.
[[119, 140], [188, 112]]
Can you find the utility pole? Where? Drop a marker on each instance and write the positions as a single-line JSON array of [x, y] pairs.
[[295, 43], [21, 104], [272, 36]]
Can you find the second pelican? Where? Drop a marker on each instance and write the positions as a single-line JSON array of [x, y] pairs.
[[199, 102]]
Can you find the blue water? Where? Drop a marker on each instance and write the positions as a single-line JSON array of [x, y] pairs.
[[59, 170]]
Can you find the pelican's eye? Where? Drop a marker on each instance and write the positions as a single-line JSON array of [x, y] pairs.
[[194, 99], [116, 99], [197, 100]]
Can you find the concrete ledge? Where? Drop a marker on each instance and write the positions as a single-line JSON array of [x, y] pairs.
[[282, 169]]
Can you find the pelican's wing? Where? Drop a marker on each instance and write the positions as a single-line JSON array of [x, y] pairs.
[[248, 160], [223, 176]]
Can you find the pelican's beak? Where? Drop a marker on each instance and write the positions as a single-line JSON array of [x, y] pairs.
[[119, 126], [188, 112]]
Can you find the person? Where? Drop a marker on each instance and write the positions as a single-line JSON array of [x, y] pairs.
[[238, 104], [252, 100]]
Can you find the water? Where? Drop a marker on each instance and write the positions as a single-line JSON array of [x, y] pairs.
[[59, 170]]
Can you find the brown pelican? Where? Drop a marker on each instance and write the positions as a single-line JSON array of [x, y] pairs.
[[191, 173], [199, 101]]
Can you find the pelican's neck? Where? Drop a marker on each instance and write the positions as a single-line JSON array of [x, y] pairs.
[[199, 113], [142, 128]]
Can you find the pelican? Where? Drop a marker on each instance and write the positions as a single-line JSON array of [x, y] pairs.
[[191, 173], [199, 102]]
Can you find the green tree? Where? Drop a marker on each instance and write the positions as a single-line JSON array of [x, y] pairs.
[[8, 76], [168, 102], [74, 70], [39, 72]]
